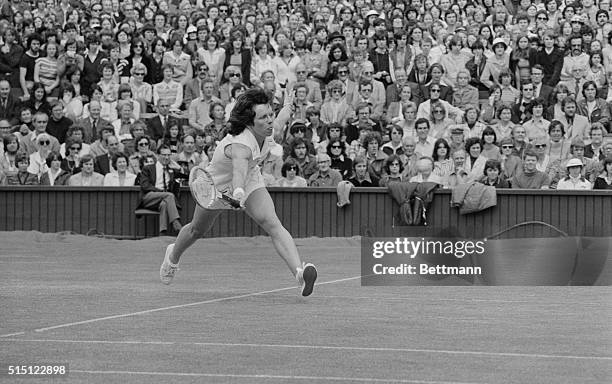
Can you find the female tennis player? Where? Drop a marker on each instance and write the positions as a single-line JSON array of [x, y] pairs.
[[235, 171]]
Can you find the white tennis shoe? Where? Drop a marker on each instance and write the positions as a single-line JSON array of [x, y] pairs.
[[306, 277], [167, 269]]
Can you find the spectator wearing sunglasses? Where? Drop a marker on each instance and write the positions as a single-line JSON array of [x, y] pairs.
[[425, 108], [291, 178], [142, 91], [511, 164], [193, 88], [38, 160], [233, 77], [30, 141]]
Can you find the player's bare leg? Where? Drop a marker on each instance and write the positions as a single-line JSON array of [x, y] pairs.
[[260, 207], [203, 220]]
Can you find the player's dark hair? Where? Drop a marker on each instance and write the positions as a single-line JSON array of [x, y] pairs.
[[243, 113]]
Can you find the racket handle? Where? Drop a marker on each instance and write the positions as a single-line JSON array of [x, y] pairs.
[[233, 202]]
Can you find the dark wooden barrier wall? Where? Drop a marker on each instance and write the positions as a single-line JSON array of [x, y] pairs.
[[307, 212]]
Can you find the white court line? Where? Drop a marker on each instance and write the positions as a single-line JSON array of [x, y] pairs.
[[173, 307], [320, 347], [431, 299], [277, 377]]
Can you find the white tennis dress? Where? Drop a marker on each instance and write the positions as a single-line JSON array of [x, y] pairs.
[[221, 168]]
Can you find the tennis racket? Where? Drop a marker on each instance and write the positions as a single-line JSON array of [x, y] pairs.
[[206, 194]]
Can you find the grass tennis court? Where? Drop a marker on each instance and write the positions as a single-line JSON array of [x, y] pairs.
[[233, 315]]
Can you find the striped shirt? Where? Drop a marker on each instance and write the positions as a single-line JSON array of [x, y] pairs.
[[47, 70]]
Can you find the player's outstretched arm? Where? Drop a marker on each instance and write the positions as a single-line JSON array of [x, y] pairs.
[[240, 163]]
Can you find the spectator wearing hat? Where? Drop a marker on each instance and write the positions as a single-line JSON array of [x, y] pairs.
[[496, 64], [325, 176], [530, 177], [576, 21], [574, 179], [457, 135], [336, 38], [590, 169]]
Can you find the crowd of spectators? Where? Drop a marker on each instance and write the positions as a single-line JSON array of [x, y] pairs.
[[513, 93]]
